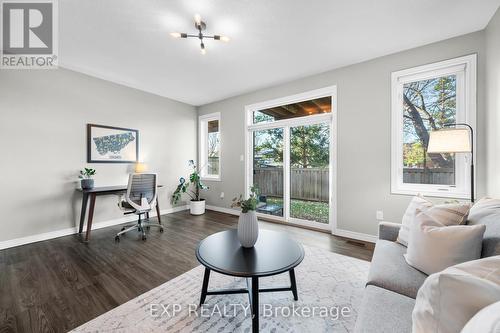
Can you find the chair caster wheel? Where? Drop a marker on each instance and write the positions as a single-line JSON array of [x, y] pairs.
[[144, 238], [117, 239], [123, 228], [161, 230]]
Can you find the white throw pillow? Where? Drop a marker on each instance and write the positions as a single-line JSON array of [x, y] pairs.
[[418, 202], [433, 246], [449, 299], [485, 321], [446, 214]]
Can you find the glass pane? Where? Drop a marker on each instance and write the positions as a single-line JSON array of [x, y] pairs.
[[309, 172], [268, 170], [300, 109], [428, 105], [213, 146]]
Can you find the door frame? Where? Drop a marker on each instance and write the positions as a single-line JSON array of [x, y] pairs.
[[330, 118]]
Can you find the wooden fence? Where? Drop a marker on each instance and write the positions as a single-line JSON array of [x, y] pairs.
[[312, 184], [430, 176], [309, 184]]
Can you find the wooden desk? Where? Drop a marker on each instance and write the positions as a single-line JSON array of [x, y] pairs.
[[98, 191]]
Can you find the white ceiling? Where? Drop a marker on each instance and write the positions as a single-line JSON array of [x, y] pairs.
[[272, 41]]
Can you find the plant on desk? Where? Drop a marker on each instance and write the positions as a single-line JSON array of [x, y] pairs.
[[192, 188], [248, 228], [86, 175]]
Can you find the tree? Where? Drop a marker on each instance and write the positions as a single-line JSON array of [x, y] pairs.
[[428, 105], [308, 145]]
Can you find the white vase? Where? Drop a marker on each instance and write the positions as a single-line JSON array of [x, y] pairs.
[[197, 207], [248, 229]]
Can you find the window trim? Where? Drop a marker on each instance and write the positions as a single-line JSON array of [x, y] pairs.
[[466, 112], [202, 144]]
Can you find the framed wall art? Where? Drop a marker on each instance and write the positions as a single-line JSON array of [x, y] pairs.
[[108, 144]]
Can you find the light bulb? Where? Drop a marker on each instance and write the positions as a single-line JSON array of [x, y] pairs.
[[197, 18], [225, 39], [203, 51], [175, 34]]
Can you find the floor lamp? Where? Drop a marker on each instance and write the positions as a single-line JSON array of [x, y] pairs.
[[455, 138]]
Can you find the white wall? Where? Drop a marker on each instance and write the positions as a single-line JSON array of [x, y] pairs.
[[364, 138], [493, 104], [43, 117]]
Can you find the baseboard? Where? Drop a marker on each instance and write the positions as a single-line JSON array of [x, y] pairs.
[[224, 210], [355, 235], [70, 231], [338, 232]]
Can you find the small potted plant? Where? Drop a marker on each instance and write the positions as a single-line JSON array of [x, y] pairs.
[[192, 189], [86, 181], [248, 228]]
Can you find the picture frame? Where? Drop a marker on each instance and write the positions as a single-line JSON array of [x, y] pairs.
[[110, 144]]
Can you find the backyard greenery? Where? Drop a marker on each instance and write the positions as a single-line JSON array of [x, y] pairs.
[[306, 210]]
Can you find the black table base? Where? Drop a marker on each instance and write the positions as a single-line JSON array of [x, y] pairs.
[[253, 293]]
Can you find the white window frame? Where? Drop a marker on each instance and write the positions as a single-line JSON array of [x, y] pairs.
[[203, 145], [330, 118], [465, 69]]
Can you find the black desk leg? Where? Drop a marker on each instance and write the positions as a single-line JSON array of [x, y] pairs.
[[254, 303], [85, 200], [91, 216], [204, 287], [294, 285]]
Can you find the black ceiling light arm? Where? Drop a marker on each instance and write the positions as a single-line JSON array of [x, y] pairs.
[[200, 26]]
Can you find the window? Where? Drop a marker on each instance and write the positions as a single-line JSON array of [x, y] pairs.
[[210, 146], [290, 146], [426, 98]]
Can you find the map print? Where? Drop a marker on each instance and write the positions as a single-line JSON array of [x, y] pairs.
[[113, 143]]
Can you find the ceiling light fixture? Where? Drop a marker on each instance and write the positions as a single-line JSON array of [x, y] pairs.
[[200, 26]]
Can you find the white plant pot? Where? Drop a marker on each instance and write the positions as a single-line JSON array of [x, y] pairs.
[[197, 207], [248, 229]]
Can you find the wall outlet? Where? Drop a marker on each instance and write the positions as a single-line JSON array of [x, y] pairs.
[[380, 215], [222, 195], [242, 158]]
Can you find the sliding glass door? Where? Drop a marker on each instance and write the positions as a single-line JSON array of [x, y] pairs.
[[310, 173], [291, 149], [268, 170]]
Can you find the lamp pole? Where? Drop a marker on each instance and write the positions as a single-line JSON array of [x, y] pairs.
[[471, 158]]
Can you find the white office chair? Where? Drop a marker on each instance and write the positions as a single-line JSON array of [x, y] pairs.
[[140, 199]]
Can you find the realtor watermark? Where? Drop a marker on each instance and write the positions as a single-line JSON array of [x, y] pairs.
[[334, 313], [29, 37]]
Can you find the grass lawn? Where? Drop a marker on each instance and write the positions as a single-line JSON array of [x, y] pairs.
[[306, 210]]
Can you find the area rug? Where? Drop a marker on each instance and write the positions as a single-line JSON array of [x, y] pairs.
[[330, 288]]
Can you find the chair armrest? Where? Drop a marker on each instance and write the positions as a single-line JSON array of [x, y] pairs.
[[388, 231]]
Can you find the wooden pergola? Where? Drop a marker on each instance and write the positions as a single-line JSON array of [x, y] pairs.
[[300, 109]]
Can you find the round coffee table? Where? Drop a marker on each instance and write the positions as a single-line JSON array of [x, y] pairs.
[[274, 253]]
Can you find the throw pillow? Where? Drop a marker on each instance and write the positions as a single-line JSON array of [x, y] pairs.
[[485, 321], [449, 299], [418, 202], [446, 214], [433, 246]]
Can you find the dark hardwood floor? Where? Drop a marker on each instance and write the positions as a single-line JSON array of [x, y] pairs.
[[59, 284]]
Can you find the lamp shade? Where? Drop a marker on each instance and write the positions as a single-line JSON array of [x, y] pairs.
[[453, 140], [141, 167]]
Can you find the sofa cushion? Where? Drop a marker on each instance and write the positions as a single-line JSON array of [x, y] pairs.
[[389, 270], [487, 211], [450, 298], [384, 311]]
